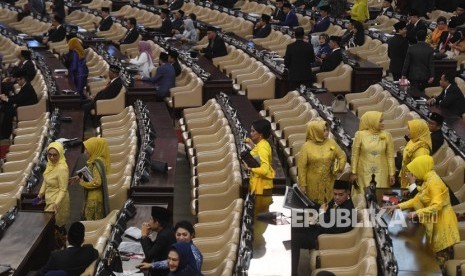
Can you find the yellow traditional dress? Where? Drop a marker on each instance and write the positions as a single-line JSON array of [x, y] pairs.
[[96, 205], [261, 178], [320, 160], [55, 186], [372, 152], [432, 204], [359, 11], [419, 144]]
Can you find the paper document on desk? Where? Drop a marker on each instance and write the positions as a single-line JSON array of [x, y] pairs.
[[133, 232], [130, 247]]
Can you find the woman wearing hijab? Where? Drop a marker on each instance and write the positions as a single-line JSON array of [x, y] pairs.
[[96, 205], [55, 184], [432, 208], [144, 60], [190, 34], [372, 153], [418, 145], [359, 11], [320, 160], [181, 261], [77, 65]]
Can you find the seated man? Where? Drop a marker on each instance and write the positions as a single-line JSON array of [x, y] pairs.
[[166, 25], [435, 122], [57, 32], [178, 23], [132, 34], [157, 250], [263, 28], [335, 58], [8, 105], [26, 65], [164, 79], [291, 19], [173, 60], [334, 218], [216, 46], [76, 257], [109, 92], [451, 98], [106, 22], [322, 24]]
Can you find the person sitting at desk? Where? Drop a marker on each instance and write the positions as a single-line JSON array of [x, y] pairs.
[[106, 22], [57, 32], [441, 26], [145, 59], [290, 19], [447, 37], [164, 79], [189, 35], [158, 249], [322, 24], [173, 60], [178, 23], [278, 14], [216, 46], [335, 58], [339, 206], [263, 28], [354, 36], [459, 16], [451, 98], [432, 207], [386, 8], [75, 258], [323, 51], [458, 47], [132, 34], [109, 92], [414, 25], [435, 122], [26, 65], [8, 105], [166, 25]]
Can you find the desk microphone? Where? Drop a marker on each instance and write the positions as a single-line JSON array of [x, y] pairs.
[[269, 215]]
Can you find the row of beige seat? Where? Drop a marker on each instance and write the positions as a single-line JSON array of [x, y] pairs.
[[216, 182], [31, 26], [456, 266], [251, 76], [9, 51], [337, 80]]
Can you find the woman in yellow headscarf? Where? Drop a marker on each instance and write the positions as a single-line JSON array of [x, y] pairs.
[[320, 160], [419, 144], [359, 11], [96, 205], [432, 207], [77, 67], [55, 184], [372, 153]]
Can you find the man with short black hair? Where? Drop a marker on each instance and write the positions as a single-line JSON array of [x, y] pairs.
[[298, 59], [335, 58], [76, 257], [459, 16], [278, 13], [414, 25], [216, 46], [166, 25], [178, 23], [290, 18], [132, 34], [397, 50], [164, 79], [106, 22], [451, 98], [57, 32], [448, 37], [386, 8], [173, 60], [263, 28], [419, 65], [322, 24], [435, 122]]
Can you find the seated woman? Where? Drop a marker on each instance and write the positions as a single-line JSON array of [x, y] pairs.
[[441, 26], [144, 60], [190, 34], [181, 261], [354, 36], [323, 50]]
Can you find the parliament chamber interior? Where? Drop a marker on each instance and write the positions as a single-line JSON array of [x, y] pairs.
[[183, 92]]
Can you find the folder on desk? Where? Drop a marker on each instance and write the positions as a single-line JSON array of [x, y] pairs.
[[295, 199]]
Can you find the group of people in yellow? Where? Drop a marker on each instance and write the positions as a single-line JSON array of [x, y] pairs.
[[54, 189], [321, 159]]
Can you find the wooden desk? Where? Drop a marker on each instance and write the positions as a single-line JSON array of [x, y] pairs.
[[364, 74], [27, 243]]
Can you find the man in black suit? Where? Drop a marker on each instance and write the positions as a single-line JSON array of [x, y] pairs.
[[178, 23], [397, 49], [166, 25], [74, 259], [298, 59], [447, 37], [263, 28], [216, 46], [415, 24], [334, 218], [176, 5], [173, 60], [158, 249], [25, 65], [278, 14], [386, 8], [8, 105], [132, 34], [435, 122], [109, 92], [418, 65], [335, 58], [106, 22], [459, 16], [57, 32], [451, 98]]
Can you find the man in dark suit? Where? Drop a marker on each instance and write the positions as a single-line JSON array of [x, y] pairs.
[[57, 32], [216, 46], [418, 65], [178, 23], [109, 92], [335, 58], [106, 22], [459, 16], [415, 24], [166, 25], [334, 218], [132, 34], [451, 98], [8, 105], [25, 65], [435, 122], [164, 79], [278, 13], [447, 37], [158, 249], [386, 8], [74, 259], [173, 60], [290, 18], [263, 28], [397, 50], [322, 24], [298, 59], [176, 5]]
